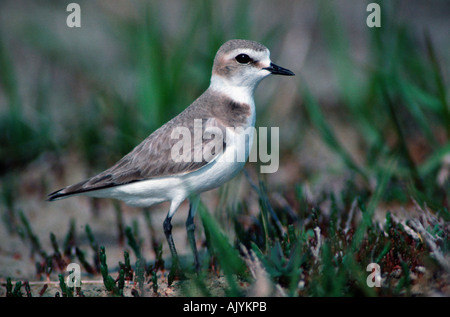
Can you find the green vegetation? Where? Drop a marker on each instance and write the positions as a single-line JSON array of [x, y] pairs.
[[296, 244]]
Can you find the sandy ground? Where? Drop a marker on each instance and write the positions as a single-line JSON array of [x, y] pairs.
[[40, 178]]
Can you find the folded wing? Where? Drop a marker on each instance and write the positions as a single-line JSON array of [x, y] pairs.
[[153, 157]]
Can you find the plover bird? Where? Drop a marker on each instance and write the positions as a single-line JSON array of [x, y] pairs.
[[151, 173]]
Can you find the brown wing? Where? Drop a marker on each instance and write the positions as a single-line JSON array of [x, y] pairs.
[[153, 157]]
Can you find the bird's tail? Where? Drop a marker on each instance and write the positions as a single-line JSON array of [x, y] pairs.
[[68, 191]]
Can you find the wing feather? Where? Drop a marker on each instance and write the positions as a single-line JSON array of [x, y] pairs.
[[152, 158]]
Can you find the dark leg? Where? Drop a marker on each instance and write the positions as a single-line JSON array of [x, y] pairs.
[[190, 228], [168, 232], [174, 270]]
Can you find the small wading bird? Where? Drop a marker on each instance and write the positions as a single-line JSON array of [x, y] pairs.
[[149, 174]]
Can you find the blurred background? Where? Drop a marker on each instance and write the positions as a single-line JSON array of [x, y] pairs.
[[366, 105]]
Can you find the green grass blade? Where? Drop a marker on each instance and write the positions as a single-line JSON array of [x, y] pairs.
[[328, 136], [228, 257]]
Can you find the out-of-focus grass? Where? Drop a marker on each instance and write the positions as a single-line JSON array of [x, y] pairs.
[[401, 106], [21, 140]]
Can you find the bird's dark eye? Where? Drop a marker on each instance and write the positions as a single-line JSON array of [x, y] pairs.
[[243, 59]]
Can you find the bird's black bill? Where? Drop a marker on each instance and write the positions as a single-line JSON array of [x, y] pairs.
[[278, 70]]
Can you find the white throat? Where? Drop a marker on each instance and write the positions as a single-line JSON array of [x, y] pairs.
[[241, 94]]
